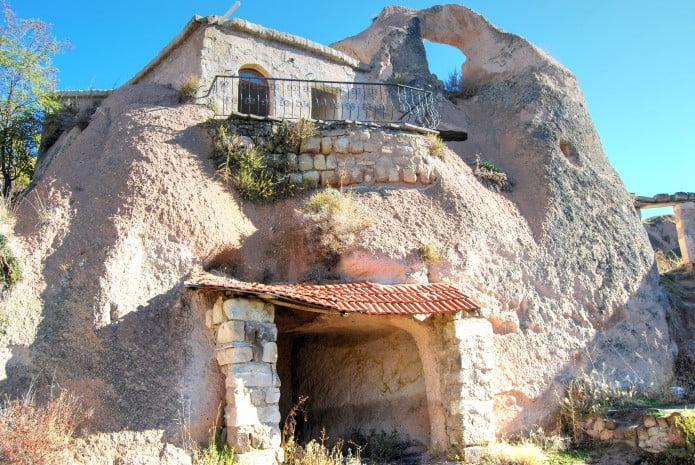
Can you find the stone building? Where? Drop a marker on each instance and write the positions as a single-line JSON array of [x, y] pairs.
[[411, 358]]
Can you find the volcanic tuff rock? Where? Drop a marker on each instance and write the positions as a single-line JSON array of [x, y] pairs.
[[562, 262], [132, 204]]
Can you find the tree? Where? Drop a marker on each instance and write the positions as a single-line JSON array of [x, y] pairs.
[[27, 85]]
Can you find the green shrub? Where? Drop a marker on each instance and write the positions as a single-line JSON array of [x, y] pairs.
[[490, 175], [436, 146], [10, 269], [249, 170]]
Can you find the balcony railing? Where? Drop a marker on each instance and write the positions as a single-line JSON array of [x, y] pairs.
[[322, 100]]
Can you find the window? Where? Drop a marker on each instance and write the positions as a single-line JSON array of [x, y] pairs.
[[254, 95]]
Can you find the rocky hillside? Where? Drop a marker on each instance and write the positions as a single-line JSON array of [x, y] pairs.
[[132, 204]]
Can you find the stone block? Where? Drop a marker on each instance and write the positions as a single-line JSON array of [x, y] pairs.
[[272, 396], [329, 178], [234, 354], [394, 174], [270, 352], [319, 162], [312, 178], [606, 435], [251, 374], [662, 422], [363, 135], [642, 435], [472, 454], [208, 319], [239, 439], [649, 421], [592, 433], [270, 414], [653, 431], [610, 424], [240, 415], [292, 162], [409, 176], [342, 145], [406, 151], [331, 162], [258, 397], [260, 457], [306, 162], [296, 178], [386, 150], [356, 175], [599, 425], [248, 310], [217, 312], [230, 331], [381, 171], [356, 146], [326, 145], [261, 332], [311, 145]]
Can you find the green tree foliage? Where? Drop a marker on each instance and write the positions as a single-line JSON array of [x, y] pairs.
[[27, 82]]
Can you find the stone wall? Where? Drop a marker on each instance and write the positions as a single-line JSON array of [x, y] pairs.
[[247, 354], [466, 361], [647, 432], [351, 153]]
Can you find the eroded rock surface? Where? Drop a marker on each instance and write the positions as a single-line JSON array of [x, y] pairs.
[[132, 204], [562, 261]]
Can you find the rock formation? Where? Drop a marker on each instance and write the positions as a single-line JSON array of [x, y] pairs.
[[131, 205]]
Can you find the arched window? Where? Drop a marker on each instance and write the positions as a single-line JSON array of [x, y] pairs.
[[254, 95]]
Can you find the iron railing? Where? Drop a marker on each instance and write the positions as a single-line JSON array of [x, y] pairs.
[[322, 100]]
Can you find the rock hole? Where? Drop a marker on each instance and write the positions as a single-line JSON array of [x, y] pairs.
[[445, 62], [568, 149]]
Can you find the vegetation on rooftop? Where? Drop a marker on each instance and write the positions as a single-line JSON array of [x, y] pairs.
[[490, 175]]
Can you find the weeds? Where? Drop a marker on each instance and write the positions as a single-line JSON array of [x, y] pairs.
[[10, 268], [504, 453], [189, 88], [429, 254], [398, 79], [333, 221], [490, 175], [667, 261], [436, 146], [34, 434], [248, 169], [292, 133], [686, 424], [380, 446]]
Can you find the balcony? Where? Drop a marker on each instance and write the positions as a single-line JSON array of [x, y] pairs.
[[322, 100]]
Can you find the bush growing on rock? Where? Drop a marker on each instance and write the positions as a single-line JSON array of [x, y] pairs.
[[333, 221]]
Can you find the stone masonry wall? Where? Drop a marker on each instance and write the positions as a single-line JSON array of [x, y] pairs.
[[349, 154], [247, 354], [466, 362], [648, 433]]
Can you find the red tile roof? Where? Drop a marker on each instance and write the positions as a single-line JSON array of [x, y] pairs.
[[359, 297]]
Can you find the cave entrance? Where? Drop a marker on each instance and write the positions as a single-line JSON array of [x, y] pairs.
[[363, 378]]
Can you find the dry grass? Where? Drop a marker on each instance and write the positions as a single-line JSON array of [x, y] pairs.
[[333, 221], [490, 175], [667, 261], [436, 146], [429, 254], [189, 88], [504, 453], [31, 433]]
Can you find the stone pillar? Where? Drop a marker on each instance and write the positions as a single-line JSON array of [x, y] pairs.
[[467, 384], [247, 354], [685, 226]]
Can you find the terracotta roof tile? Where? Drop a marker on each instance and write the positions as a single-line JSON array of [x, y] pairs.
[[360, 297]]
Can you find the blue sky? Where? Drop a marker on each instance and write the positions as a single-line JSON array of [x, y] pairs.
[[634, 59]]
